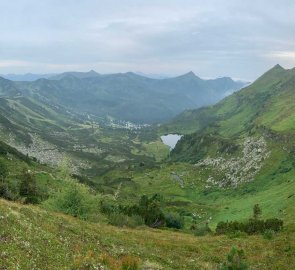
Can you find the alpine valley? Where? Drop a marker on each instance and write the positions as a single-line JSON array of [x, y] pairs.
[[87, 183]]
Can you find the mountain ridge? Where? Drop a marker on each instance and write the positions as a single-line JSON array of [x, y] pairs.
[[120, 95]]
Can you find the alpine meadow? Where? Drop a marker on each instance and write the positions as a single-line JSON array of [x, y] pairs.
[[147, 135]]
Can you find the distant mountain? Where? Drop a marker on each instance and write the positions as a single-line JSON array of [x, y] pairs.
[[26, 77], [8, 88], [129, 96], [153, 75], [78, 75]]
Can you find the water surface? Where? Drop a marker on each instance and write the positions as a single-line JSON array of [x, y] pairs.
[[171, 140]]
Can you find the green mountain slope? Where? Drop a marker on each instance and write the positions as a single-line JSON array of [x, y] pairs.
[[267, 102], [263, 108]]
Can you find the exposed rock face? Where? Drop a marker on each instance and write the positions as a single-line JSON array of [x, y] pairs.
[[234, 171], [42, 151], [47, 153]]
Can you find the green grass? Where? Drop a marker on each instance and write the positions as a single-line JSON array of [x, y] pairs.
[[32, 238]]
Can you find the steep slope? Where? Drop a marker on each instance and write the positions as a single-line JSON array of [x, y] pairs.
[[121, 95], [269, 97], [246, 135]]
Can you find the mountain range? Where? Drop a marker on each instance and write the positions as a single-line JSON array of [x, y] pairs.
[[126, 96], [26, 77]]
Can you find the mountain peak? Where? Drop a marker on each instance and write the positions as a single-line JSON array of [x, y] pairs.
[[278, 67], [92, 72], [224, 79], [190, 74]]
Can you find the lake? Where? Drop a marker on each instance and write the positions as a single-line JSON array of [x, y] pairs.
[[171, 140]]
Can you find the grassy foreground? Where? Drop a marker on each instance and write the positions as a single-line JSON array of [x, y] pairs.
[[32, 238]]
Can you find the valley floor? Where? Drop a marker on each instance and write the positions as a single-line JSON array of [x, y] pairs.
[[32, 238]]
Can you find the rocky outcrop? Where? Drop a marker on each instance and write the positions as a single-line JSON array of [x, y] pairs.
[[233, 171]]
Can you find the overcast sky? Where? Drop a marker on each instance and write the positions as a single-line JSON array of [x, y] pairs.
[[213, 38]]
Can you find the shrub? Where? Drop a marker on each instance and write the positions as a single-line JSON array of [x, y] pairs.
[[229, 227], [121, 220], [4, 189], [135, 221], [254, 226], [118, 219], [251, 226], [256, 211], [28, 187], [268, 234], [222, 227], [202, 231], [108, 206], [150, 209], [237, 234], [3, 171], [73, 202], [235, 260], [76, 200], [174, 220], [274, 224]]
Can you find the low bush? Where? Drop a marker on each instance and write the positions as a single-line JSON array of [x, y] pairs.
[[202, 231], [5, 191], [75, 200], [235, 260], [148, 208], [251, 226], [274, 224], [122, 220], [28, 187], [109, 206], [237, 234], [268, 234], [174, 220]]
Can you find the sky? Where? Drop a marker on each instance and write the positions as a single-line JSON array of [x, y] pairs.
[[237, 38]]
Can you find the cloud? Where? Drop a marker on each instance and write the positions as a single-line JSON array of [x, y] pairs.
[[212, 38], [282, 54], [12, 63]]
